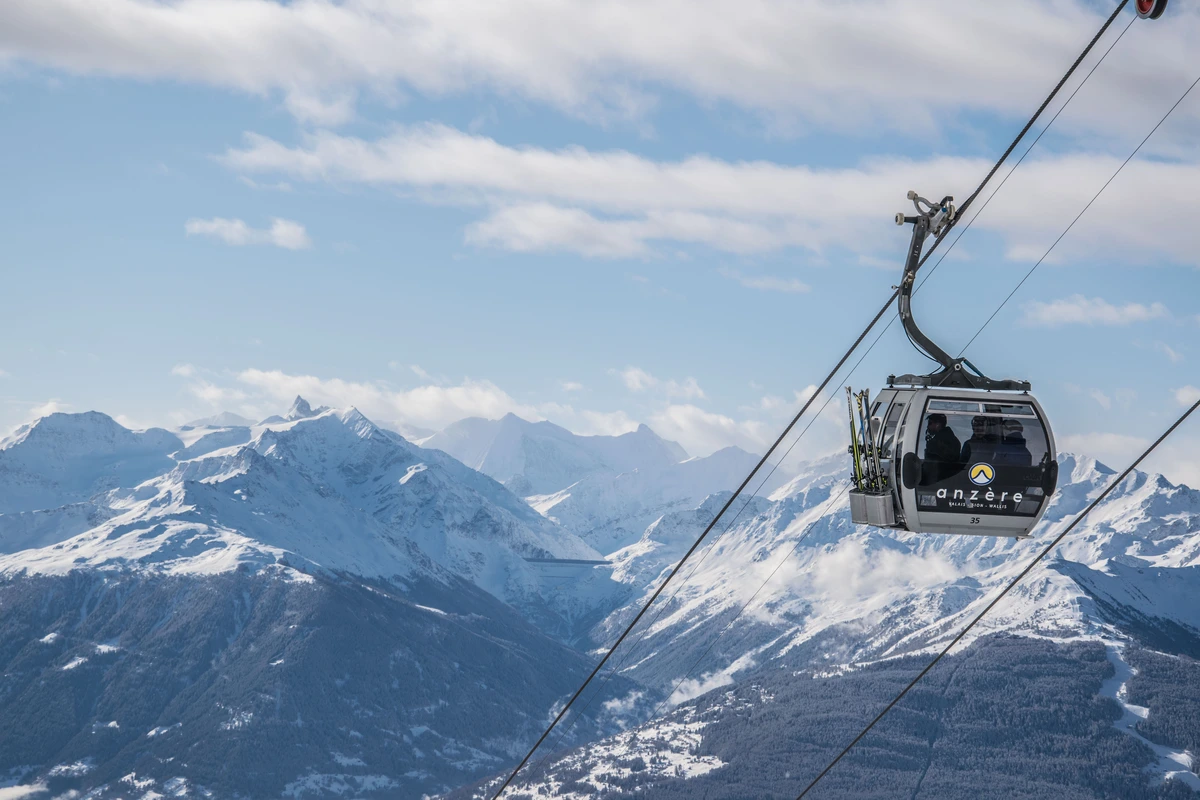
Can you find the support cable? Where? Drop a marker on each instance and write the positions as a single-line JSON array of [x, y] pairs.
[[1020, 160], [695, 545], [925, 278], [1082, 514], [1008, 588], [1091, 506], [1081, 213], [883, 309], [680, 584]]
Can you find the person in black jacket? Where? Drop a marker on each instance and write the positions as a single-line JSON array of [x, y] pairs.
[[942, 450], [985, 439], [1013, 448]]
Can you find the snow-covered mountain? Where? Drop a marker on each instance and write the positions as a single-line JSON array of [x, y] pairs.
[[537, 458], [814, 575], [326, 490], [383, 620], [794, 589], [611, 511], [65, 458], [315, 587], [606, 489]]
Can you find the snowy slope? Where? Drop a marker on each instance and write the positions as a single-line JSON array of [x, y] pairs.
[[330, 492], [541, 458], [68, 458], [865, 594], [313, 587], [611, 511], [835, 602], [240, 684]]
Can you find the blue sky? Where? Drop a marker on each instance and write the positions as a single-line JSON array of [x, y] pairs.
[[677, 214]]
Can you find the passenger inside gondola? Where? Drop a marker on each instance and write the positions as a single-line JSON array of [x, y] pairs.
[[941, 451], [984, 442], [1013, 448]]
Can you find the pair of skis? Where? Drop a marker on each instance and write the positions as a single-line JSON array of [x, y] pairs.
[[868, 473]]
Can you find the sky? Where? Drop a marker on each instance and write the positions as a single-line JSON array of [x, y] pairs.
[[653, 211]]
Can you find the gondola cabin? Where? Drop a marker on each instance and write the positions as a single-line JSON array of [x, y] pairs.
[[956, 461], [953, 451]]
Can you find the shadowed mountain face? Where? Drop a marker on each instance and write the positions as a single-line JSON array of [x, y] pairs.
[[794, 627], [263, 686], [308, 607], [1008, 717]]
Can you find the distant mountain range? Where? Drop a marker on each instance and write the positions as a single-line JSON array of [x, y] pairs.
[[314, 606], [541, 458]]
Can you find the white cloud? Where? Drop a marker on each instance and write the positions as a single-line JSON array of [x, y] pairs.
[[622, 706], [1176, 459], [21, 792], [782, 407], [1116, 450], [1187, 395], [538, 227], [314, 109], [638, 380], [49, 407], [768, 283], [572, 386], [426, 406], [425, 375], [283, 233], [598, 423], [1125, 398], [611, 204], [1170, 352], [3, 374], [183, 370], [279, 186], [702, 432], [1080, 310], [610, 60], [691, 688], [849, 573], [216, 395], [616, 204], [1100, 397], [132, 424]]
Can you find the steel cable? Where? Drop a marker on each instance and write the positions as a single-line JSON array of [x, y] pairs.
[[787, 430], [1008, 588]]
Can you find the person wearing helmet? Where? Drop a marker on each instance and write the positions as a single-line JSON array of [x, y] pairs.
[[1013, 448], [985, 439]]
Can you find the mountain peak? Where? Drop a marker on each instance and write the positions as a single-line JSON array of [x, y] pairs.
[[302, 410], [58, 424]]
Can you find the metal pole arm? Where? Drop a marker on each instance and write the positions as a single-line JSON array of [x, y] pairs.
[[935, 219]]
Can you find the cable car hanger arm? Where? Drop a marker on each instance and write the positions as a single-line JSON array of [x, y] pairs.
[[936, 219]]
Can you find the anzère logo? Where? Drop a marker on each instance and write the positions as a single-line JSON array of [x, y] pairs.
[[982, 474]]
